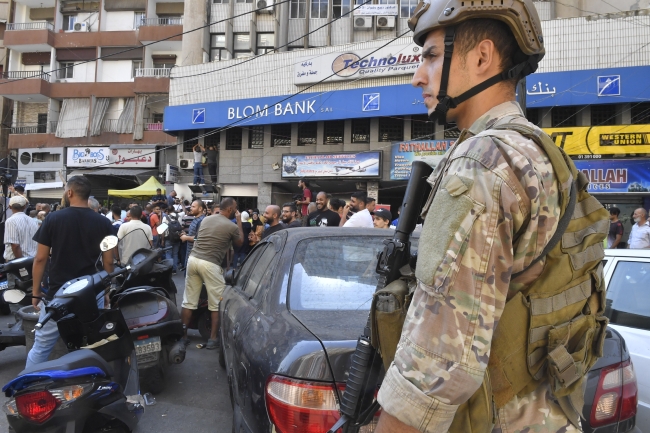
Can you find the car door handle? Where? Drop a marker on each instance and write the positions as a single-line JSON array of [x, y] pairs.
[[235, 329]]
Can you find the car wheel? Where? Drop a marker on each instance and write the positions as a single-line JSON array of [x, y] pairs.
[[205, 324], [222, 356], [154, 381]]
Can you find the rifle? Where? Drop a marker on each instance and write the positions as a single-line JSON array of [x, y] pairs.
[[358, 404]]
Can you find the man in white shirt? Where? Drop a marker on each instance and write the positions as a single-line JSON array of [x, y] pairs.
[[640, 234], [133, 235], [19, 231], [362, 217]]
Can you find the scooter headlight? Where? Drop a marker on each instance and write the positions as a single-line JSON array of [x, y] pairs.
[[10, 407]]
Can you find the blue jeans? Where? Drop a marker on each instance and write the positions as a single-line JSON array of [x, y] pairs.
[[46, 337], [173, 254], [155, 241], [182, 252], [198, 173], [238, 259]]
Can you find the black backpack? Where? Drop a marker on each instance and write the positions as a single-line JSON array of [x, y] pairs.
[[175, 229]]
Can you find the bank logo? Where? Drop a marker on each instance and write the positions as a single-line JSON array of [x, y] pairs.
[[609, 85], [198, 115], [370, 102]]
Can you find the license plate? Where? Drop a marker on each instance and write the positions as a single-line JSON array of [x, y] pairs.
[[3, 285], [150, 345]]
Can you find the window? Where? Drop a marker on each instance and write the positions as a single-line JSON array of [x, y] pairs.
[[46, 157], [247, 268], [407, 7], [162, 64], [360, 130], [298, 8], [532, 114], [422, 128], [340, 8], [212, 138], [139, 19], [136, 64], [603, 115], [628, 298], [564, 116], [190, 139], [451, 131], [307, 133], [256, 137], [265, 42], [334, 131], [220, 1], [157, 117], [387, 2], [281, 135], [68, 22], [242, 46], [318, 9], [41, 127], [66, 69], [261, 272], [641, 113], [218, 47], [244, 1], [233, 139], [391, 129]]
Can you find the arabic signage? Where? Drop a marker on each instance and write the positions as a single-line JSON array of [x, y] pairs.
[[332, 165], [104, 156], [388, 61], [370, 10], [597, 141], [404, 153], [616, 176]]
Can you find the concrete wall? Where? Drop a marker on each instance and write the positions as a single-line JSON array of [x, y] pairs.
[[122, 20], [116, 71], [28, 112]]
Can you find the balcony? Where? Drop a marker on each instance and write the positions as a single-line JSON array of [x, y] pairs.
[[151, 80], [13, 75], [171, 21], [156, 29], [26, 86], [29, 128], [110, 125], [31, 37], [152, 72], [150, 125], [44, 25]]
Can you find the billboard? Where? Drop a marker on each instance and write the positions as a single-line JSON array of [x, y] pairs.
[[404, 153], [616, 176], [613, 141], [332, 165], [107, 157]]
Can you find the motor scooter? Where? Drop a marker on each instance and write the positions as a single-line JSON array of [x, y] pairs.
[[21, 269], [95, 387]]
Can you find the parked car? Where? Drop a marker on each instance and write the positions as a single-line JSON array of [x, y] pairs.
[[290, 318]]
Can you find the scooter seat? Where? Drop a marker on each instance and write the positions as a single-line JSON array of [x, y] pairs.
[[72, 361]]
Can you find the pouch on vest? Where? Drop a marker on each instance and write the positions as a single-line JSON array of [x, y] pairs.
[[387, 315]]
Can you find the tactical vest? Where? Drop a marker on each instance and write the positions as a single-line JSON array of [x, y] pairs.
[[552, 330]]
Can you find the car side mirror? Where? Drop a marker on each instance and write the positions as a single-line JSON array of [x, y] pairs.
[[229, 276]]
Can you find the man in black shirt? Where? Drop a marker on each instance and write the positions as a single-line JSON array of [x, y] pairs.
[[272, 216], [323, 217], [159, 198], [72, 237], [289, 213]]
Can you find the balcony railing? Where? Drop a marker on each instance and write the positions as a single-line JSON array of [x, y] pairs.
[[44, 25], [150, 125], [9, 75], [152, 72], [110, 125], [29, 128], [171, 21]]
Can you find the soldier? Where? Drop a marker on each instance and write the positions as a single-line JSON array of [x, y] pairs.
[[498, 199]]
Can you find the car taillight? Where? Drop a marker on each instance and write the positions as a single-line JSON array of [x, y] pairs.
[[301, 406], [616, 396], [36, 406]]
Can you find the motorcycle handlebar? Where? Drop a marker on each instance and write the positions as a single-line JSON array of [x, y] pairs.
[[46, 319]]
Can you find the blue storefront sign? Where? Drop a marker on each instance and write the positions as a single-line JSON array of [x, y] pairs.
[[403, 154], [616, 176], [332, 165]]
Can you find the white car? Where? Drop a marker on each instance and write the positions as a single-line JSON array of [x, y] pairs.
[[627, 277]]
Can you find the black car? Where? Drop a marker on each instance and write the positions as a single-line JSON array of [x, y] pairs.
[[290, 318]]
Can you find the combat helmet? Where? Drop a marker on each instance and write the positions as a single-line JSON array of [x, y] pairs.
[[519, 15]]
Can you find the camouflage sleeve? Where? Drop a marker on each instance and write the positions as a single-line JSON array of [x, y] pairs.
[[465, 262]]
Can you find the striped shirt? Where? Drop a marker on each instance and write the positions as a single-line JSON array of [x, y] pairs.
[[20, 229]]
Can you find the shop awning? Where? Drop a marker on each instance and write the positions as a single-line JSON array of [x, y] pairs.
[[43, 185], [146, 190]]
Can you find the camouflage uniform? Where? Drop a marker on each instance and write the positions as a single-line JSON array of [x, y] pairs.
[[466, 259]]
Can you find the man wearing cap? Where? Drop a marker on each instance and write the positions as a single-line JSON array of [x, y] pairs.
[[19, 231], [493, 209], [381, 219]]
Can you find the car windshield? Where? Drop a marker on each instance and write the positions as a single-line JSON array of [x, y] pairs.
[[628, 295], [334, 273]]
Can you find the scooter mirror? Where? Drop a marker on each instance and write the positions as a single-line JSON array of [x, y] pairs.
[[162, 228], [108, 243], [13, 296]]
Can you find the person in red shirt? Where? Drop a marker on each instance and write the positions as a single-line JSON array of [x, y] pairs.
[[306, 196], [154, 222]]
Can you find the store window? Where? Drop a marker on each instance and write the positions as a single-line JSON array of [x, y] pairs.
[[340, 8], [307, 133], [603, 115], [407, 7], [391, 129], [281, 135], [334, 131], [318, 8], [190, 138], [218, 47], [360, 131], [265, 43], [242, 45], [451, 131], [533, 115], [233, 139], [422, 128], [256, 137], [564, 116], [641, 113], [298, 8]]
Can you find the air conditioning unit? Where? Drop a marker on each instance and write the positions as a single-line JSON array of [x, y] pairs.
[[80, 27], [265, 6], [385, 22], [363, 23], [186, 164]]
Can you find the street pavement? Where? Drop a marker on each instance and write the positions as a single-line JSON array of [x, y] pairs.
[[195, 400]]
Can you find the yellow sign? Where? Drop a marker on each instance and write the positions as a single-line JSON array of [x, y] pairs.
[[617, 140]]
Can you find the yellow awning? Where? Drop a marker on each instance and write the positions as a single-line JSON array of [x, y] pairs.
[[144, 191]]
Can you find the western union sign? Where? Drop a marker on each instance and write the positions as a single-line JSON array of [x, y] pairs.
[[617, 140]]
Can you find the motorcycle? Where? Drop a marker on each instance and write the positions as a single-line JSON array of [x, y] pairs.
[[22, 270], [95, 387]]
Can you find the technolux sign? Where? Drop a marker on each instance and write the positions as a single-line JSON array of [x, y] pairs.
[[388, 61]]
